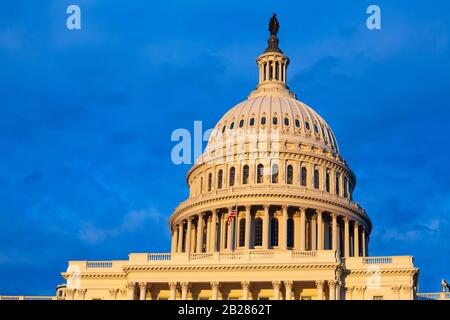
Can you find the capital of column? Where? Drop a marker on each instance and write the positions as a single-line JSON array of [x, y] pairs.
[[288, 284], [130, 285], [113, 292], [185, 285], [245, 285], [215, 285], [332, 283], [276, 284], [248, 208], [173, 285], [143, 285], [320, 283]]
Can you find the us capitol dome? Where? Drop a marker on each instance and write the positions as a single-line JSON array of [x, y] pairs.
[[270, 215]]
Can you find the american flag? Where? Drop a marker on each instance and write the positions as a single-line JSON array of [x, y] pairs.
[[232, 214]]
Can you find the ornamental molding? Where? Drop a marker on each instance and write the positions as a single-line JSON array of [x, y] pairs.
[[267, 193], [365, 272], [140, 268]]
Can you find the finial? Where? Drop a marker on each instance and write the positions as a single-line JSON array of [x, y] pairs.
[[274, 27]]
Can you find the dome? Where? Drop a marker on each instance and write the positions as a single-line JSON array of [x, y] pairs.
[[274, 164], [296, 122]]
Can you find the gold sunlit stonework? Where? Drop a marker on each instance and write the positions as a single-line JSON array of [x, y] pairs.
[[298, 234]]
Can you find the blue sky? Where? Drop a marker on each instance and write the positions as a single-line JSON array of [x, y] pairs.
[[86, 118]]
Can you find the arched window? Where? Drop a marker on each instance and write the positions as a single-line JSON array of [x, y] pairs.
[[219, 179], [345, 187], [242, 232], [304, 176], [223, 129], [232, 126], [232, 176], [260, 173], [316, 129], [258, 232], [275, 121], [307, 126], [263, 121], [327, 182], [290, 232], [252, 122], [286, 121], [245, 175], [274, 232], [275, 173], [338, 190], [297, 123], [209, 181], [241, 123], [316, 179], [276, 70], [290, 174]]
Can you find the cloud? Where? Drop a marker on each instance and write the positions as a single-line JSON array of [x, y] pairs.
[[132, 221]]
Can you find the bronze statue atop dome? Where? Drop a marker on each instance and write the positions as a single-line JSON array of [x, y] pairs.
[[274, 25]]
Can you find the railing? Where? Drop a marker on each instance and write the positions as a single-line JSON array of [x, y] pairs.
[[9, 298], [159, 256], [261, 255], [378, 260], [200, 256], [302, 254], [29, 298], [433, 296], [99, 264], [231, 256]]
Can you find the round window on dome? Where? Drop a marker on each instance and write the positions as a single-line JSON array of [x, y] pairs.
[[297, 123], [241, 123], [274, 121], [263, 121], [232, 126], [252, 122], [286, 121]]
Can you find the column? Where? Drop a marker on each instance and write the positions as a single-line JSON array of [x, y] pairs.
[[334, 243], [142, 290], [81, 293], [188, 235], [245, 289], [265, 240], [314, 232], [230, 232], [223, 229], [180, 237], [302, 229], [319, 230], [283, 231], [215, 290], [276, 290], [356, 239], [363, 242], [297, 231], [248, 226], [208, 233], [174, 239], [173, 290], [332, 288], [113, 293], [213, 240], [288, 286], [346, 237], [130, 290], [184, 290], [199, 245], [193, 239], [319, 285]]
